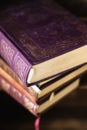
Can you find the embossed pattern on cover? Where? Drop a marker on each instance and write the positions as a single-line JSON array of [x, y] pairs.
[[41, 32]]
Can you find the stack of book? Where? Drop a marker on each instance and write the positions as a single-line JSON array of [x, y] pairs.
[[43, 50]]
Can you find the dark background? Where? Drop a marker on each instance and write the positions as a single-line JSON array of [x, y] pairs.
[[69, 114]]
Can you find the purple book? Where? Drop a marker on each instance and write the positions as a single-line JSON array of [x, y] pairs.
[[39, 40]]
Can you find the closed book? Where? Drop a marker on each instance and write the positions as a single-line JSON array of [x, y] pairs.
[[47, 98], [39, 40], [33, 89], [47, 86], [57, 95], [20, 96], [59, 82], [33, 107], [55, 89]]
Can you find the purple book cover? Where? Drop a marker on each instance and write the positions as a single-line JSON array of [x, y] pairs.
[[34, 32]]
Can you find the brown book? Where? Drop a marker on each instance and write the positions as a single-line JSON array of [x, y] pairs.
[[49, 96], [19, 94], [43, 88], [16, 91]]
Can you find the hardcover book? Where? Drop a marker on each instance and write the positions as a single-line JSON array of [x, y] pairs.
[[24, 97], [49, 96], [59, 82], [46, 87], [20, 96], [56, 96], [33, 89], [40, 40]]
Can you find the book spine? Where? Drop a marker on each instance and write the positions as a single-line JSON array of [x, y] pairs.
[[19, 96], [30, 89], [14, 58]]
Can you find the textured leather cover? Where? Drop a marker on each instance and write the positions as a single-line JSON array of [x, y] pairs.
[[42, 31]]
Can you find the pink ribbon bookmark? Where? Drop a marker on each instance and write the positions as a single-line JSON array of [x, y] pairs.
[[37, 123]]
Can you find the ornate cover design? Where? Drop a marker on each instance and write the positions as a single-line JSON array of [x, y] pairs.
[[37, 32], [40, 32]]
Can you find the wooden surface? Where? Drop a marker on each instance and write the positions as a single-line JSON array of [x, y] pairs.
[[69, 114]]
